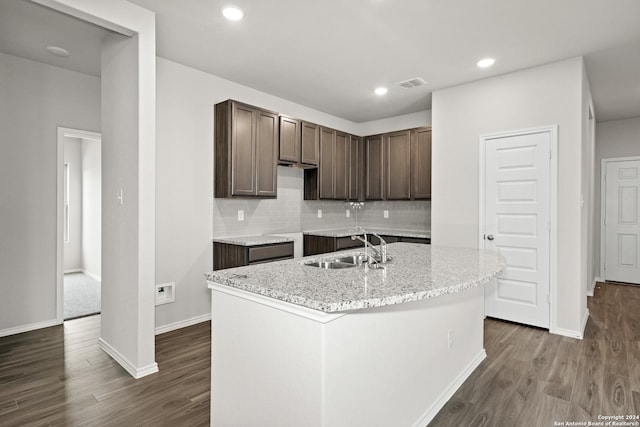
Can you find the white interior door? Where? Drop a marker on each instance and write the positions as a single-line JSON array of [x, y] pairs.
[[622, 221], [516, 224]]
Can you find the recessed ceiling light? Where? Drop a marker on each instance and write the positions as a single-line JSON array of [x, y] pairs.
[[381, 91], [233, 13], [486, 62], [58, 51]]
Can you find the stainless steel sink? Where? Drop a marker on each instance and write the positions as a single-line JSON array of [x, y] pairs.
[[346, 262], [330, 265]]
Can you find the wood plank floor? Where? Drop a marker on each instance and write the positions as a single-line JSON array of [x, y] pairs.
[[533, 378], [59, 377]]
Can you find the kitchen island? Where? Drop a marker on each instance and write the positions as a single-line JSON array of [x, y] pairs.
[[298, 345]]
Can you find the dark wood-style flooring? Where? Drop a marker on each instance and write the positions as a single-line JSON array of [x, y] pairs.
[[59, 377], [533, 378]]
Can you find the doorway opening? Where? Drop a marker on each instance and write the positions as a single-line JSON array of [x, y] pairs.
[[620, 216], [79, 223]]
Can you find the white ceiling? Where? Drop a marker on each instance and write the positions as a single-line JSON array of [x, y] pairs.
[[329, 55]]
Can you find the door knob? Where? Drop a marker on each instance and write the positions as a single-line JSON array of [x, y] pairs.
[[490, 237]]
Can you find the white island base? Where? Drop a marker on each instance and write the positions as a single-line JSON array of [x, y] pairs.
[[276, 364]]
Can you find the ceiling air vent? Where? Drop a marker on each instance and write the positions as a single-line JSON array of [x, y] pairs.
[[411, 83]]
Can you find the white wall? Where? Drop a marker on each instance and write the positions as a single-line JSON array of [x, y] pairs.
[[73, 247], [407, 121], [34, 100], [91, 208], [535, 97], [125, 303], [616, 138], [187, 214]]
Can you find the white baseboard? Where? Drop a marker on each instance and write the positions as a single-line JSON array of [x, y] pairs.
[[73, 270], [590, 292], [183, 324], [585, 319], [29, 327], [126, 364], [93, 276], [450, 390]]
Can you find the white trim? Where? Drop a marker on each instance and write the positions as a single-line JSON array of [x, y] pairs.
[[603, 208], [297, 310], [571, 333], [553, 204], [590, 292], [183, 324], [585, 319], [63, 133], [73, 270], [29, 327], [126, 364], [430, 414], [93, 276]]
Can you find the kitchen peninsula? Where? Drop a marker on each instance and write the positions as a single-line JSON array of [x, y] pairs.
[[294, 344]]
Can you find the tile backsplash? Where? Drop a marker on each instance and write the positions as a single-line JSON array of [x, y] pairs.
[[290, 213]]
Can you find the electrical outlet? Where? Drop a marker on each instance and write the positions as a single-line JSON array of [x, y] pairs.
[[165, 293], [319, 213], [240, 215], [385, 213], [450, 339], [348, 213]]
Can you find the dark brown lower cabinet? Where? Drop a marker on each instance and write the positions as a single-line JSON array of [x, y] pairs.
[[314, 245], [226, 255]]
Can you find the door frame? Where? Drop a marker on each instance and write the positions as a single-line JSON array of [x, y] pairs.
[[603, 207], [63, 133], [553, 205]]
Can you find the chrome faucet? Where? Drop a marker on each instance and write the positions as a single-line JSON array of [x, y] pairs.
[[381, 253]]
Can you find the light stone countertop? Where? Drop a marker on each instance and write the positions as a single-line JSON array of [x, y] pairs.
[[252, 240], [344, 232], [416, 272]]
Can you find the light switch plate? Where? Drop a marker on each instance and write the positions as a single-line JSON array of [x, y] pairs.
[[385, 213], [240, 215], [348, 213], [319, 213]]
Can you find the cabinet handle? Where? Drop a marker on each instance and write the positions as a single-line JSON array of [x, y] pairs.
[[490, 237]]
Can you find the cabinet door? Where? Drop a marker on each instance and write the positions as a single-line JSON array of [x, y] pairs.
[[289, 140], [374, 169], [397, 165], [326, 167], [341, 166], [421, 163], [243, 152], [266, 153], [310, 144], [354, 168]]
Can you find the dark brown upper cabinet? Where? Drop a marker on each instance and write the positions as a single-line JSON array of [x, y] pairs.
[[333, 167], [397, 165], [325, 169], [421, 163], [337, 175], [245, 151], [355, 168], [374, 170], [310, 144], [289, 152], [341, 167]]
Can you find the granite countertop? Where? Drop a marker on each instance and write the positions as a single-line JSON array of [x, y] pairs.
[[252, 240], [344, 232], [416, 272]]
